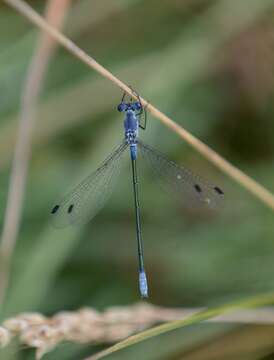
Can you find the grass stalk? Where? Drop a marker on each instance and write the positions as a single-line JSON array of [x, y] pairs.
[[251, 302], [55, 12]]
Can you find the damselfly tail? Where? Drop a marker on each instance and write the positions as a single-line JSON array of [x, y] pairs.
[[143, 284]]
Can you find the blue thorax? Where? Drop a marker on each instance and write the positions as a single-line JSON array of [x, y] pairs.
[[131, 125]]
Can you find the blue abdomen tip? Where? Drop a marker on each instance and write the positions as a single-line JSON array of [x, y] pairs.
[[133, 151], [143, 284]]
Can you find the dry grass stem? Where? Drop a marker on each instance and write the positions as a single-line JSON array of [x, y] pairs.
[[247, 182], [88, 326], [237, 308], [34, 79]]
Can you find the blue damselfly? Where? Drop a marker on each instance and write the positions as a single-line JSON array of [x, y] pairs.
[[86, 199]]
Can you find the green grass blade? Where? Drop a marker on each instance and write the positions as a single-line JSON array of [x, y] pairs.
[[251, 302]]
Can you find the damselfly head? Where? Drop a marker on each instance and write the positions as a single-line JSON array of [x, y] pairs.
[[122, 107], [136, 105]]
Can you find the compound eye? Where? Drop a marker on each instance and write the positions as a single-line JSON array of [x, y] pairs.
[[122, 107], [137, 105]]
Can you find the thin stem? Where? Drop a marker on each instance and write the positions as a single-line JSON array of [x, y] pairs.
[[33, 84], [43, 333], [236, 174], [252, 302]]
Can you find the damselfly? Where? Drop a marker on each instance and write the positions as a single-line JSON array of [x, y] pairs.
[[86, 199]]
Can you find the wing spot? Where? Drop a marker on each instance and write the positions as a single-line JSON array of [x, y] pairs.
[[179, 177], [55, 209], [198, 188], [70, 208], [218, 190]]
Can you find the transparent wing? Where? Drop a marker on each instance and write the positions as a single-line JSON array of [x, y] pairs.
[[87, 198], [189, 187]]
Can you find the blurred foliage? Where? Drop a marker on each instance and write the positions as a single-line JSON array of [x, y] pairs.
[[209, 65]]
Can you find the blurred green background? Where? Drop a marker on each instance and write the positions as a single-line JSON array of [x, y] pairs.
[[208, 65]]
